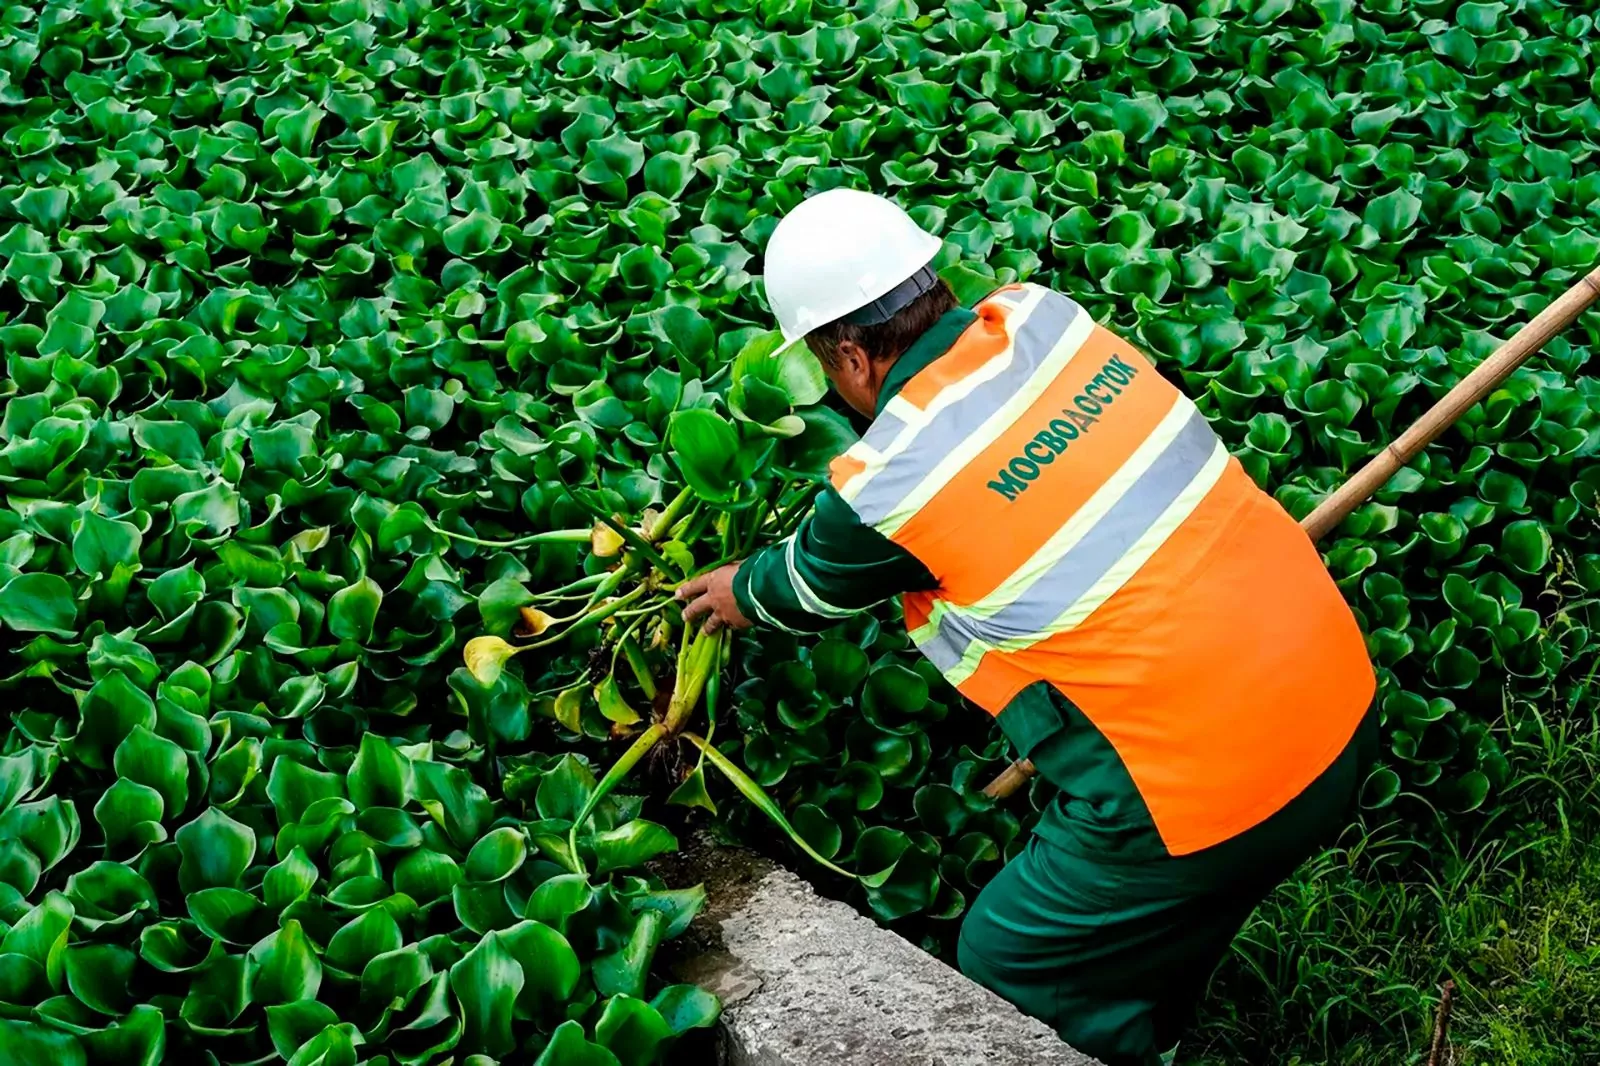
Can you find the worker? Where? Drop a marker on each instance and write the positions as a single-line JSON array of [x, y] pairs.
[[1080, 556]]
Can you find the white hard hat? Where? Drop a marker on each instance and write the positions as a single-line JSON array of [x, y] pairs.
[[846, 253]]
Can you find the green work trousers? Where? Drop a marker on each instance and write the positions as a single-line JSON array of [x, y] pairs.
[[1115, 954]]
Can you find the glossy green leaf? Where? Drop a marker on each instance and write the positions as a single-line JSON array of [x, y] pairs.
[[569, 1047], [38, 603], [486, 982], [283, 967]]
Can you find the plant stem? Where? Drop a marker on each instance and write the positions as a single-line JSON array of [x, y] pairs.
[[636, 661], [795, 513], [609, 584], [593, 618], [695, 524], [619, 769], [562, 536], [1439, 1049], [758, 518], [632, 538], [626, 638], [572, 589]]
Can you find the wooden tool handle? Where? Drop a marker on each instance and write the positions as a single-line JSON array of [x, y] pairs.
[[1485, 377], [1467, 392]]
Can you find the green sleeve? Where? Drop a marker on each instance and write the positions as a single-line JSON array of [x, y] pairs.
[[832, 567]]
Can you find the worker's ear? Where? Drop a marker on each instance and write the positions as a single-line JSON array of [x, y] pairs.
[[855, 376]]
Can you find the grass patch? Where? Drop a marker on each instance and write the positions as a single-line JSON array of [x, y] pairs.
[[1342, 965]]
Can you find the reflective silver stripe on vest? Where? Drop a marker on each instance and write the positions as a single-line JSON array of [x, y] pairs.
[[947, 638], [904, 472], [884, 431]]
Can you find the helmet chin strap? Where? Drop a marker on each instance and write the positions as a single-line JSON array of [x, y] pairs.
[[886, 306]]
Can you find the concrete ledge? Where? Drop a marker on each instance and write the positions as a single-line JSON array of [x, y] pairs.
[[807, 981]]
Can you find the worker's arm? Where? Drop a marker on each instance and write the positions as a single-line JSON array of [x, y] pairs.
[[832, 567]]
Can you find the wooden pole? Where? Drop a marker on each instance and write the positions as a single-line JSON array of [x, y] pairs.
[[1372, 477], [1439, 1049]]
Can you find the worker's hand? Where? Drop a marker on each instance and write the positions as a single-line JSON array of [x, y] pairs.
[[710, 596]]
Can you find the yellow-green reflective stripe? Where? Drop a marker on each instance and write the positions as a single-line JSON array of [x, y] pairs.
[[1114, 578]]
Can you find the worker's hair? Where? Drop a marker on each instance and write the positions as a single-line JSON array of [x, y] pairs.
[[886, 340]]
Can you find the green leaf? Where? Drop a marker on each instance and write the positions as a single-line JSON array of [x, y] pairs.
[[549, 965], [294, 788], [1393, 214], [705, 446], [625, 971], [839, 666], [426, 875], [151, 760], [108, 894], [569, 1047], [226, 914], [102, 544], [130, 817], [395, 976], [27, 1044], [380, 776], [759, 798], [283, 968], [473, 235], [633, 1030], [1526, 545], [685, 1007], [362, 939], [38, 603], [353, 610], [631, 845], [487, 981], [100, 976], [215, 849], [556, 900], [111, 710], [41, 935], [613, 705], [139, 1039], [290, 1025], [49, 829], [564, 790], [498, 855]]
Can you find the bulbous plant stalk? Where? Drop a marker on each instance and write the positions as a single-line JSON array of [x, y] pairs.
[[697, 660], [663, 526]]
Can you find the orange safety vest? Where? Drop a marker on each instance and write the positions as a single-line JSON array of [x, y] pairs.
[[1088, 529]]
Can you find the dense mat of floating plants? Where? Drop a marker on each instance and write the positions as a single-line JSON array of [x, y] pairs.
[[338, 334]]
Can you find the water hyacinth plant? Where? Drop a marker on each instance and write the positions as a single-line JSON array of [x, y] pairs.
[[343, 339]]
